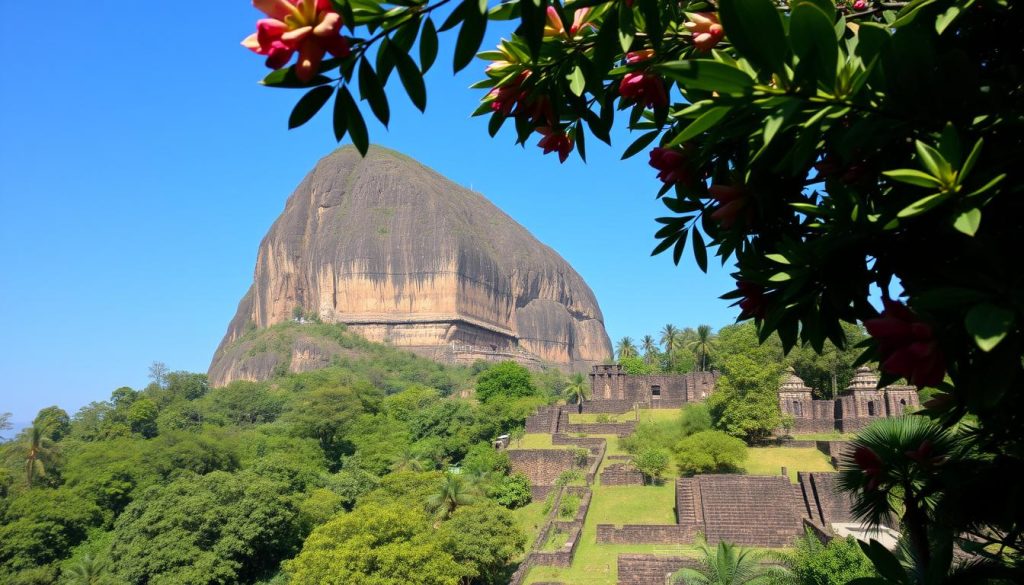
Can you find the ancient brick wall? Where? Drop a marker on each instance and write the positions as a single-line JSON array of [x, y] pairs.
[[608, 406], [833, 449], [814, 425], [543, 420], [749, 510], [592, 443], [621, 474], [646, 534], [853, 424], [639, 569], [823, 499], [623, 429], [901, 399], [542, 466]]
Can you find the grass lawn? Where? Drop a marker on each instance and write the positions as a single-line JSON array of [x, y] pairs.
[[592, 417], [634, 504], [770, 460], [595, 564], [531, 518], [536, 441], [660, 414]]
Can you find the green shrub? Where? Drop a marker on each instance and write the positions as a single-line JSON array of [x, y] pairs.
[[710, 452], [836, 563], [569, 506]]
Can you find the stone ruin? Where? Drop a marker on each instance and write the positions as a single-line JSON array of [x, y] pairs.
[[861, 403], [612, 390]]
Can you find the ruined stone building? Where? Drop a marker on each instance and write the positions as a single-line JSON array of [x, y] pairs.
[[861, 403], [612, 390]]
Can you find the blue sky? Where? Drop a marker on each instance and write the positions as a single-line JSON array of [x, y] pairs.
[[141, 164]]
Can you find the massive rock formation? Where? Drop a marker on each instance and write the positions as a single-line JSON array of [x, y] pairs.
[[403, 256]]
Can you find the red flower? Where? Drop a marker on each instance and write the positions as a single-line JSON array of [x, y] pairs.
[[907, 345], [672, 165], [644, 88], [868, 461], [732, 204], [311, 27], [753, 303], [860, 5], [555, 141]]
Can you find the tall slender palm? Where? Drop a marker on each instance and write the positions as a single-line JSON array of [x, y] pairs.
[[40, 453], [729, 564], [625, 348], [702, 345], [669, 339], [577, 390], [650, 348], [89, 571], [453, 492]]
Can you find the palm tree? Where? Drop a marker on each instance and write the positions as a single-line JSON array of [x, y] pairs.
[[41, 452], [89, 571], [669, 339], [452, 493], [650, 349], [729, 564], [409, 461], [703, 344], [625, 348], [577, 391]]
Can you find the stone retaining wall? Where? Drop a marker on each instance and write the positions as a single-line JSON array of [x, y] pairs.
[[621, 474], [608, 406], [833, 449], [542, 466], [646, 534], [622, 429], [638, 569]]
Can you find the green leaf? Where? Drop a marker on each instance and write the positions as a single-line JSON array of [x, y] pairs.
[[371, 90], [309, 105], [412, 79], [968, 222], [285, 78], [755, 28], [704, 122], [934, 162], [814, 41], [946, 18], [988, 324], [987, 186], [471, 35], [707, 75], [922, 205], [913, 177], [886, 563], [428, 45], [340, 118], [779, 258], [780, 277], [700, 251], [354, 119], [577, 83], [971, 159], [640, 143]]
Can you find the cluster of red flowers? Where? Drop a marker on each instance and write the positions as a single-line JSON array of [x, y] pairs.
[[643, 87], [753, 303], [732, 204], [672, 164], [706, 30], [310, 27], [907, 345], [514, 99], [555, 140]]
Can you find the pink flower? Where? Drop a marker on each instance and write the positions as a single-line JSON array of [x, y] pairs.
[[706, 30], [555, 141], [507, 97], [672, 165], [634, 57], [310, 27], [732, 204], [860, 5], [643, 88], [555, 28], [907, 345]]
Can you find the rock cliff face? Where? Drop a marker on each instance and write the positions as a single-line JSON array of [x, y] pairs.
[[403, 256]]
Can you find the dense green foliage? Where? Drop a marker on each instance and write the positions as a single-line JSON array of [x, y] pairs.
[[178, 483], [836, 563], [710, 452]]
